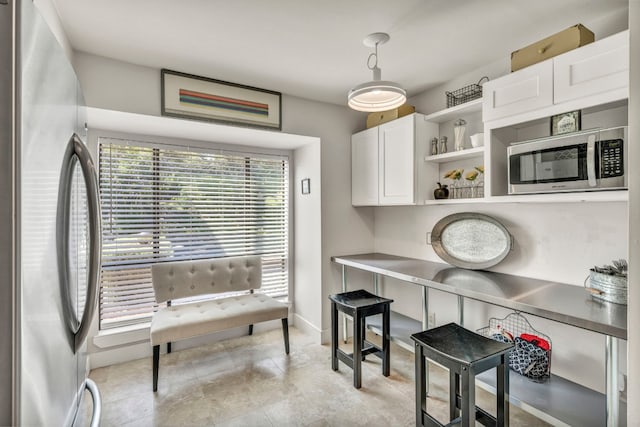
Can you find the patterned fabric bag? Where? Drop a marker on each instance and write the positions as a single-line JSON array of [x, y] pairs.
[[529, 360]]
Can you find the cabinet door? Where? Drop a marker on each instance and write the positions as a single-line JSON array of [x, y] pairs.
[[396, 162], [598, 68], [364, 168], [525, 90]]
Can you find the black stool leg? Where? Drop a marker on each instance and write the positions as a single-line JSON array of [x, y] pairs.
[[454, 392], [156, 362], [285, 334], [334, 337], [386, 335], [502, 386], [363, 333], [468, 406], [357, 349], [421, 386]]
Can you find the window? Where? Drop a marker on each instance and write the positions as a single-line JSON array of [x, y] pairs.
[[162, 203]]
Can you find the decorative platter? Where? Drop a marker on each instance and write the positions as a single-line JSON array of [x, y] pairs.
[[471, 240]]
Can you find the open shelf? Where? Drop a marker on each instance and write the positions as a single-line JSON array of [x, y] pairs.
[[581, 197], [455, 201], [402, 327], [456, 155], [454, 112], [557, 401], [585, 196]]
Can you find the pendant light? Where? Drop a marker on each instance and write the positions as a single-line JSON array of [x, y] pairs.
[[376, 95]]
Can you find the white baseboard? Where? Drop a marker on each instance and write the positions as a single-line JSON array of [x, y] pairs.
[[120, 355], [308, 328]]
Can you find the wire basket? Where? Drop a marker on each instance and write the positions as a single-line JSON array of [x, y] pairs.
[[465, 94], [528, 358]]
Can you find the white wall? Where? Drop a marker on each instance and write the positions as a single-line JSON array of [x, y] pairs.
[[435, 99], [324, 222], [50, 14], [307, 235], [557, 242], [345, 230], [126, 87], [119, 86], [633, 321]]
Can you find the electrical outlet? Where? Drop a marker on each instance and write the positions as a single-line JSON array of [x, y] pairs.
[[431, 321], [428, 238]]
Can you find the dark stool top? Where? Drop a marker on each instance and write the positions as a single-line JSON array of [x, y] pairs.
[[462, 345], [358, 299]]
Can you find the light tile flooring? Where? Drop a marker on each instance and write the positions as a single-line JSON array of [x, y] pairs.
[[249, 381]]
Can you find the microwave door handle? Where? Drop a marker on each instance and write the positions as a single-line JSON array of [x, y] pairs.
[[591, 160]]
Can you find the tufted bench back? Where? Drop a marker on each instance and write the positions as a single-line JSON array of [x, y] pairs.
[[181, 279]]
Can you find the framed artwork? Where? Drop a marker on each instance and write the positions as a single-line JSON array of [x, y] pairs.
[[201, 98], [306, 186], [565, 122]]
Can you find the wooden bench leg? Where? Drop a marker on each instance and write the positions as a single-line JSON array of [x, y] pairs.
[[285, 334], [156, 360], [250, 329]]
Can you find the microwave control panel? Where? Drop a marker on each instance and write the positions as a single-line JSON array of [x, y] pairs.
[[612, 158]]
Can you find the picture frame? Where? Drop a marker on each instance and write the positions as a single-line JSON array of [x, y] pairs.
[[566, 122], [201, 98], [306, 186]]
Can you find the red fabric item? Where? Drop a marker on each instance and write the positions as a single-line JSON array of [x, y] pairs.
[[534, 339]]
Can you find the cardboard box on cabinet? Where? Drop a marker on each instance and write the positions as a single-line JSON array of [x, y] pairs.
[[375, 119], [564, 41]]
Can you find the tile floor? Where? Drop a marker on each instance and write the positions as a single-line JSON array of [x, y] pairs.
[[249, 381]]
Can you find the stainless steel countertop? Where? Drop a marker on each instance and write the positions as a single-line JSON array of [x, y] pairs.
[[561, 302]]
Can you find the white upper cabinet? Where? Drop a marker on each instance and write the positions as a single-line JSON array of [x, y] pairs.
[[525, 90], [364, 168], [591, 75], [597, 68], [387, 166], [396, 163]]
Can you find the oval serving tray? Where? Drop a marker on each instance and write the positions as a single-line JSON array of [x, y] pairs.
[[471, 240]]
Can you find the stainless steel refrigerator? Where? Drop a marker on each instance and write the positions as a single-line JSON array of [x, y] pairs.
[[49, 228]]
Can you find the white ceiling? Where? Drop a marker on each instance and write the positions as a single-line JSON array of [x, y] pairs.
[[313, 49]]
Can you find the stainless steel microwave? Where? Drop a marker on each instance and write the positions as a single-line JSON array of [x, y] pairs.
[[581, 161]]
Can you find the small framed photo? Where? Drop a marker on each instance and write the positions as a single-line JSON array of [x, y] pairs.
[[306, 186], [565, 122]]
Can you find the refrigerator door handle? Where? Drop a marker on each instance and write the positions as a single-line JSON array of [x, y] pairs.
[[77, 152], [97, 402]]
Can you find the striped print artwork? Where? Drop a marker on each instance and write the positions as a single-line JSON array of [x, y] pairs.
[[200, 99]]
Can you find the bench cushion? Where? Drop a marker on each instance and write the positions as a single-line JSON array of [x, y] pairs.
[[183, 279], [199, 318]]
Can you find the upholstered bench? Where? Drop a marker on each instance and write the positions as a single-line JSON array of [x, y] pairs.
[[187, 279]]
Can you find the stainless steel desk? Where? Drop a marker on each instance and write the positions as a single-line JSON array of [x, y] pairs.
[[560, 302]]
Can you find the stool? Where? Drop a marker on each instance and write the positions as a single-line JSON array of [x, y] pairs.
[[465, 354], [359, 305]]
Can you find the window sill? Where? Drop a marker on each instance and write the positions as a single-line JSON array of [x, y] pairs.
[[122, 336]]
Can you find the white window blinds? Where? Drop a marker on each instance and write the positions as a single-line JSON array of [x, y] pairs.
[[162, 203]]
